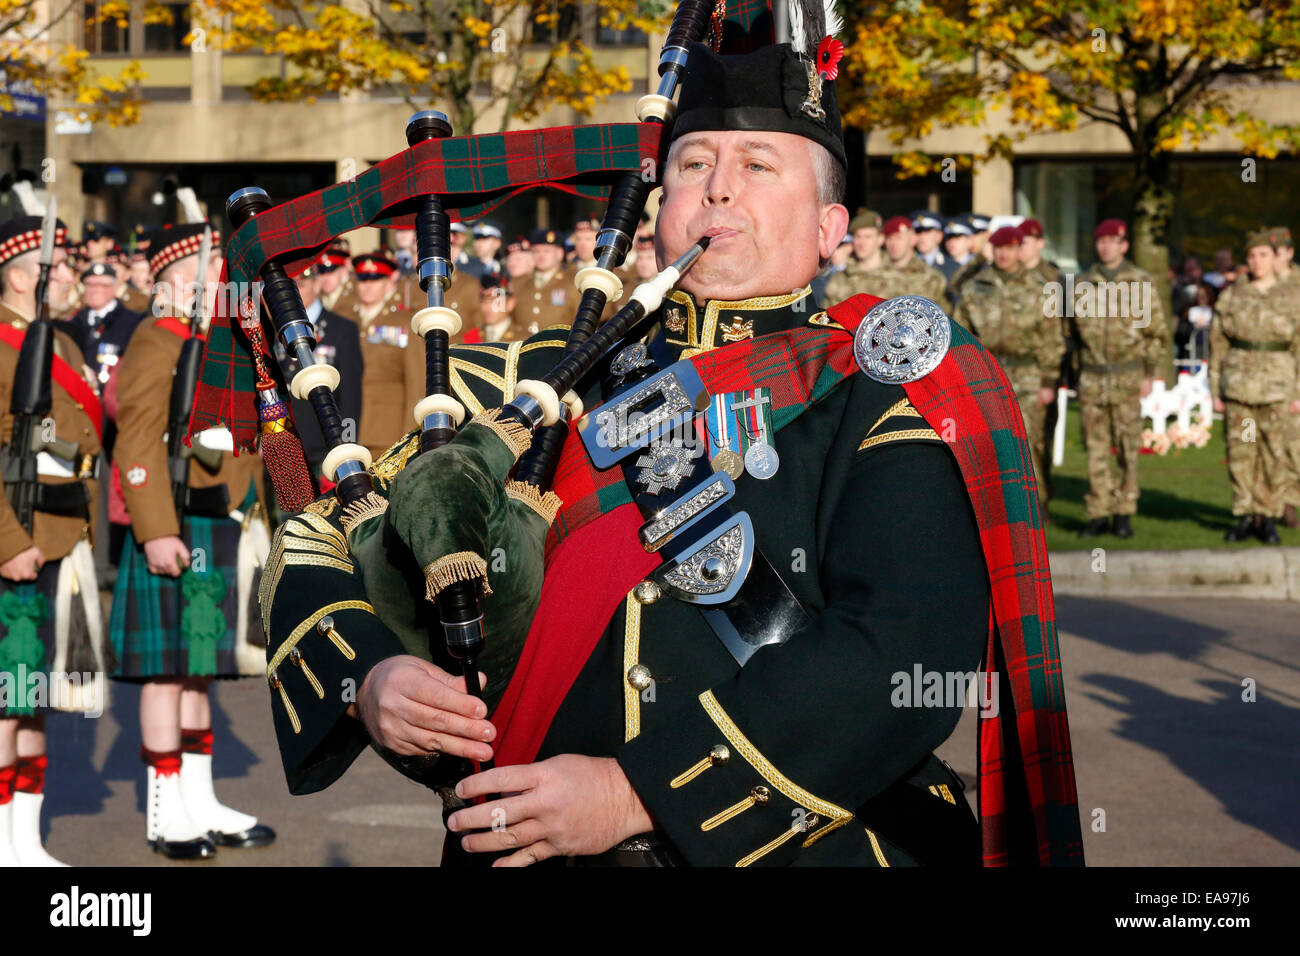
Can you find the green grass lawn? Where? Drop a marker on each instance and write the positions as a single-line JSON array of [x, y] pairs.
[[1185, 502]]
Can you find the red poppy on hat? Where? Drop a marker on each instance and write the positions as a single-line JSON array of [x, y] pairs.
[[896, 224], [1110, 227], [829, 53]]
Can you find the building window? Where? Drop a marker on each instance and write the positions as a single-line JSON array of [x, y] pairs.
[[608, 36], [105, 35], [169, 37], [558, 22]]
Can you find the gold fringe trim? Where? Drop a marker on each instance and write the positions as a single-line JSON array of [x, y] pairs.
[[515, 436], [546, 504], [447, 570], [362, 510], [903, 434]]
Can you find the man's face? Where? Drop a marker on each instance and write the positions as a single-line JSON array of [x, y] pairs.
[[1284, 256], [1192, 270], [927, 240], [1223, 260], [62, 279], [457, 242], [584, 243], [140, 277], [899, 245], [486, 247], [1261, 260], [1007, 258], [372, 291], [306, 289], [1111, 250], [404, 239], [99, 291], [547, 256], [957, 246], [98, 248], [1031, 250], [519, 263], [755, 195], [867, 242], [496, 304]]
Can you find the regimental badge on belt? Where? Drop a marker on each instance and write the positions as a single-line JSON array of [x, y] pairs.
[[739, 433], [387, 335]]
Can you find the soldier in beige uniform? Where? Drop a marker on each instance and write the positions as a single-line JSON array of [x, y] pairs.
[[548, 297], [1255, 381], [866, 258], [51, 562], [1287, 272], [1003, 305], [389, 390], [183, 605], [1120, 352]]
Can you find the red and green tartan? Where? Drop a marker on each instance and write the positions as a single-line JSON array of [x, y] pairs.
[[472, 175], [1028, 803]]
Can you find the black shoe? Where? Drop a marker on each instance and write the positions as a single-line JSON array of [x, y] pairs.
[[1266, 530], [257, 835], [1244, 531], [1095, 527], [1122, 528], [200, 849]]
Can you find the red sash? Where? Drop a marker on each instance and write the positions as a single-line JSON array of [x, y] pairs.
[[176, 327], [67, 378]]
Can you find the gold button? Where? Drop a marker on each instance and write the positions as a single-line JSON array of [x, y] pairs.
[[647, 592], [639, 676], [719, 754], [762, 796]]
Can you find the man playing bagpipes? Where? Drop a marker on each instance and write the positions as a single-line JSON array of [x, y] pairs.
[[726, 608], [51, 633], [187, 580]]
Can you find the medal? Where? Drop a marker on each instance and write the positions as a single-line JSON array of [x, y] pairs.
[[728, 461], [762, 461]]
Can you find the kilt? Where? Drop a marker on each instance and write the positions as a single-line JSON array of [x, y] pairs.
[[187, 626], [26, 640]]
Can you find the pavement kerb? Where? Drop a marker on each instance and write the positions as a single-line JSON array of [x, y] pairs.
[[1269, 573]]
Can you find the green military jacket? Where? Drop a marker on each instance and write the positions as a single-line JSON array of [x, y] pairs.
[[888, 281], [1255, 344], [1120, 330], [867, 519], [1005, 310]]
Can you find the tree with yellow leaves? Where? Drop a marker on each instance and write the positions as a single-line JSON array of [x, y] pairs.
[[32, 62], [1166, 73], [465, 57]]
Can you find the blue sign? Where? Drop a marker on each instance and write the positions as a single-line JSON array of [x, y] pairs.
[[24, 100]]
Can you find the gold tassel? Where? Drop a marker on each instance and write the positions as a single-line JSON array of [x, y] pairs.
[[545, 504], [284, 697], [513, 435], [447, 570], [363, 509]]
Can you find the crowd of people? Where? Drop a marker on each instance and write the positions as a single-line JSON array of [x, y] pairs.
[[123, 317]]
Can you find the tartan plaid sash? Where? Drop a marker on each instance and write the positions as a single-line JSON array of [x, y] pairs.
[[472, 175], [1028, 804]]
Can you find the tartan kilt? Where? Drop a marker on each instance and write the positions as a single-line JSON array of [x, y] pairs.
[[186, 626], [24, 653]]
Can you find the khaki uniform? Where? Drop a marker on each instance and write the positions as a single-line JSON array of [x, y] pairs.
[[1117, 352], [340, 300], [55, 535], [389, 389], [134, 299], [1006, 311], [144, 384], [1291, 487], [541, 302], [1255, 369], [913, 278]]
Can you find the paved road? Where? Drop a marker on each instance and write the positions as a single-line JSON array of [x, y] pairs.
[[1185, 771]]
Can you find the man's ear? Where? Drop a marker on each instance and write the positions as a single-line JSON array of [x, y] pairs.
[[831, 227]]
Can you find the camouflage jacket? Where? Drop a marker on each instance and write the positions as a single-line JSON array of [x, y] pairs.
[[1119, 324], [1006, 311], [913, 278], [1255, 344]]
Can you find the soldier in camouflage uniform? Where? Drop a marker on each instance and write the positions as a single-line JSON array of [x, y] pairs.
[[866, 258], [1255, 380], [904, 273], [1003, 305], [1120, 350], [1032, 243], [1286, 272]]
